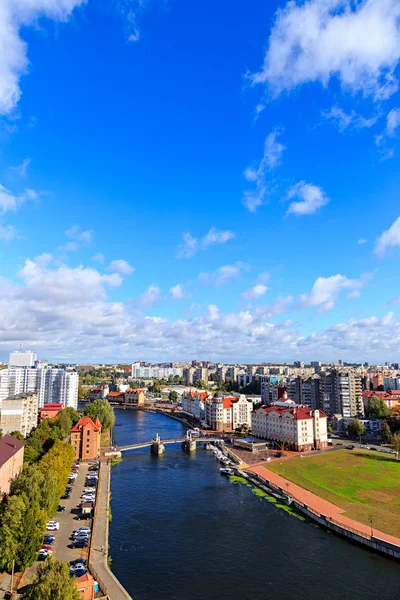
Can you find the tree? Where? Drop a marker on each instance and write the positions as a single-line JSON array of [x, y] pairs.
[[17, 435], [12, 525], [1, 433], [53, 583], [386, 434], [376, 408], [330, 430], [396, 443], [103, 410], [64, 423], [355, 428], [173, 396]]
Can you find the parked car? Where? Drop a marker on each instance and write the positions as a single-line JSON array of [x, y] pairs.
[[79, 572], [80, 544], [66, 496], [61, 508], [77, 561], [53, 526], [350, 447], [83, 517], [49, 539], [47, 548], [365, 447], [43, 554], [83, 528]]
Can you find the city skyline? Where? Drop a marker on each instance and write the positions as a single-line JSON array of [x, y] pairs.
[[176, 186]]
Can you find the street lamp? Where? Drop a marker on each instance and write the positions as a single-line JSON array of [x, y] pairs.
[[371, 520]]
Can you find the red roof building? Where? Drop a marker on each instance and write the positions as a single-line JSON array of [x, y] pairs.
[[49, 411], [85, 438], [11, 461]]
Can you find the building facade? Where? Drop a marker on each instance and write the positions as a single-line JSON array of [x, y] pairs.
[[49, 411], [226, 413], [300, 428], [11, 461], [19, 413], [85, 439], [135, 396]]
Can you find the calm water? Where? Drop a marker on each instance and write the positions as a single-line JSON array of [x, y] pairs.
[[182, 531]]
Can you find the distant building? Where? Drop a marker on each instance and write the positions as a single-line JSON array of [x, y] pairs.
[[189, 375], [22, 359], [49, 411], [99, 393], [11, 461], [19, 413], [135, 396], [226, 413], [116, 397], [85, 438]]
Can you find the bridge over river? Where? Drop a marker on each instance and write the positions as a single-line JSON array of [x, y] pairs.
[[157, 445]]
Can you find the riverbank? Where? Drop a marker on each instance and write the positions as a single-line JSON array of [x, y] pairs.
[[98, 556]]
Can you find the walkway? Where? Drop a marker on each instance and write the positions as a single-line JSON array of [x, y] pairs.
[[320, 506], [99, 547]]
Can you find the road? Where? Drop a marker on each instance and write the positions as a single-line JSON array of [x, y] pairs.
[[68, 523]]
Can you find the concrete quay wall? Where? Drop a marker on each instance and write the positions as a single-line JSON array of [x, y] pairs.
[[374, 543]]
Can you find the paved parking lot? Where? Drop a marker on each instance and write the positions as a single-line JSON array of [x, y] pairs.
[[68, 523]]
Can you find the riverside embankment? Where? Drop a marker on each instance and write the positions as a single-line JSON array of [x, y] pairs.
[[181, 530]]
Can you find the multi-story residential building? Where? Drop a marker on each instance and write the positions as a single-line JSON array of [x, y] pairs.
[[154, 371], [21, 358], [193, 403], [226, 413], [233, 373], [11, 461], [341, 393], [135, 396], [271, 392], [190, 375], [391, 383], [222, 373], [85, 438], [4, 384], [19, 413], [201, 374], [53, 385], [299, 427]]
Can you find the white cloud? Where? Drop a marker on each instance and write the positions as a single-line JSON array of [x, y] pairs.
[[312, 198], [223, 274], [393, 121], [99, 257], [150, 296], [192, 245], [255, 292], [8, 233], [325, 291], [120, 266], [69, 247], [362, 241], [15, 14], [345, 120], [388, 239], [44, 311], [76, 233], [22, 169], [177, 291], [10, 202], [357, 43], [273, 151]]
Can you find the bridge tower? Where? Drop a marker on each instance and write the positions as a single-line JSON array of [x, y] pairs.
[[189, 443], [157, 447]]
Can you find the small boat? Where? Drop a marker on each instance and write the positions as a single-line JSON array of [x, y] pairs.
[[226, 471], [208, 447]]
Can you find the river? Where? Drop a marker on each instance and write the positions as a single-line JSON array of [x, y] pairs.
[[181, 531]]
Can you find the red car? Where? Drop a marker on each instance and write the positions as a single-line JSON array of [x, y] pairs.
[[47, 548]]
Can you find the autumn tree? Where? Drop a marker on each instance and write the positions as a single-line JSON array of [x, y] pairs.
[[53, 582]]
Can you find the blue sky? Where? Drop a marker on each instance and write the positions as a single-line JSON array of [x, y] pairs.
[[200, 180]]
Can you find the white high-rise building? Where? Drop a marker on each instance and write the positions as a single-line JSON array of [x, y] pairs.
[[52, 385], [20, 358]]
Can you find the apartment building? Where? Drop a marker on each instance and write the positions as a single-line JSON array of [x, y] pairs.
[[85, 438], [341, 393], [193, 403], [11, 461], [391, 383], [300, 428], [21, 358], [19, 413], [226, 413]]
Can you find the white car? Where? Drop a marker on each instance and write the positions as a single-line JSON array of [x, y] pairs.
[[73, 475], [84, 528], [53, 526]]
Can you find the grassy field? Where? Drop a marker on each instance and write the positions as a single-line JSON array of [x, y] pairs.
[[365, 484]]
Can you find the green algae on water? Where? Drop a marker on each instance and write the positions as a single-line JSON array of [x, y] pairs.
[[262, 494]]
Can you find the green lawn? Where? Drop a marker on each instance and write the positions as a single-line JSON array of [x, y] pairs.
[[365, 484]]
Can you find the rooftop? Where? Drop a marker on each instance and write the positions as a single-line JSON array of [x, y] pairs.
[[8, 447]]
